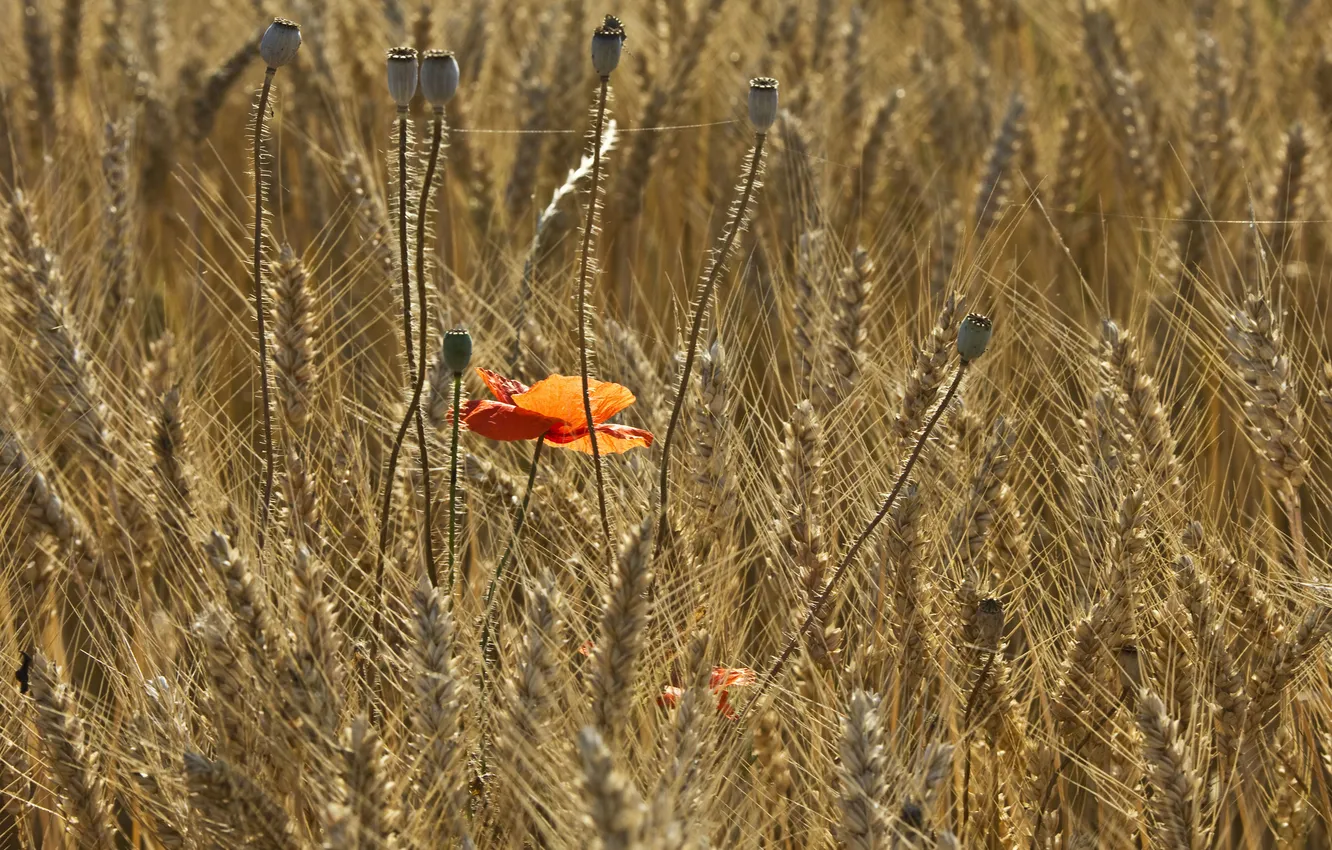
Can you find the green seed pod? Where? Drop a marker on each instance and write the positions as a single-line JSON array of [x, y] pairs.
[[402, 75], [762, 103], [973, 336], [607, 43], [439, 77], [457, 350], [280, 42]]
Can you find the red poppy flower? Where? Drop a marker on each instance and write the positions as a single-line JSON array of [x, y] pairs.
[[553, 408], [721, 679]]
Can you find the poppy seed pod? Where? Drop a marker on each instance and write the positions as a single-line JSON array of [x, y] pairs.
[[1130, 668], [990, 623], [457, 350], [439, 77], [973, 336], [607, 42], [762, 103], [402, 74], [280, 42]]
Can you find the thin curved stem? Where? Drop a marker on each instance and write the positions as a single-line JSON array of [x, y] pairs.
[[453, 473], [702, 297], [415, 377], [817, 607], [259, 301], [495, 580], [423, 305], [583, 274]]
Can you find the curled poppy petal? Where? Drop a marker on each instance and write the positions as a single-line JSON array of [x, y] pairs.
[[502, 388], [561, 396], [726, 677], [611, 439], [498, 421], [724, 707], [670, 696]]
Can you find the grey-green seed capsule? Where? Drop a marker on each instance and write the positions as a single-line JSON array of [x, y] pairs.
[[762, 103], [457, 350], [1130, 668], [402, 74], [280, 42], [607, 43], [973, 336], [990, 622], [439, 77]]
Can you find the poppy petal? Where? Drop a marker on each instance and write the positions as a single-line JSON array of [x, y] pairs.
[[611, 439], [498, 421], [561, 397], [670, 696], [727, 677], [502, 388], [725, 708]]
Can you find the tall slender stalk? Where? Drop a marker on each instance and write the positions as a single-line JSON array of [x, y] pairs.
[[453, 473], [816, 607], [423, 304], [259, 300], [278, 46], [702, 297], [415, 360], [583, 274], [410, 354]]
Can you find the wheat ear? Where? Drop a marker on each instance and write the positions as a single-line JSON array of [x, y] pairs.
[[72, 765]]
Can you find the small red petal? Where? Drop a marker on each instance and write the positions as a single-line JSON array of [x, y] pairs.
[[726, 677], [498, 421], [587, 647], [504, 389], [670, 696], [611, 439], [725, 708]]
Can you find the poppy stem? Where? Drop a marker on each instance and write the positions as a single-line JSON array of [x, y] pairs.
[[414, 376], [423, 305], [816, 607], [259, 301], [702, 297], [507, 556], [583, 274], [453, 473]]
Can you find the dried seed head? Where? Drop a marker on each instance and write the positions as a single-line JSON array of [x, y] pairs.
[[912, 817], [990, 622], [607, 42], [280, 42], [762, 103], [457, 350], [973, 336], [1130, 668], [439, 77], [402, 74]]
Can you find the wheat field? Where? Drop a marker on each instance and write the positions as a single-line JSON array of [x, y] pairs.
[[880, 424]]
